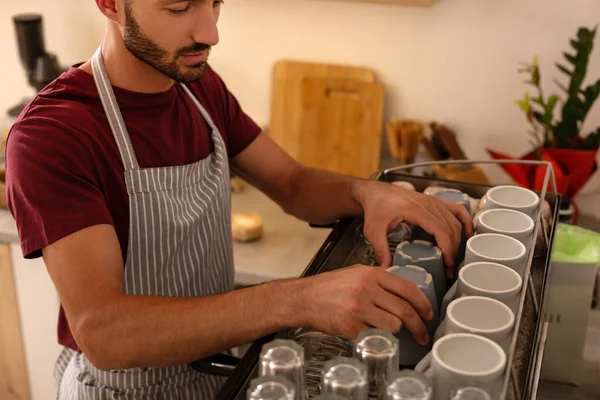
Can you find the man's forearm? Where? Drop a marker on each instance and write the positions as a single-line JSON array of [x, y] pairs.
[[322, 196], [148, 331]]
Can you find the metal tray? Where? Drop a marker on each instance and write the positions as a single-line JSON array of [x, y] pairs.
[[526, 351]]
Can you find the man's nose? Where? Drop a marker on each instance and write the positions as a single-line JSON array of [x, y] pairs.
[[205, 29]]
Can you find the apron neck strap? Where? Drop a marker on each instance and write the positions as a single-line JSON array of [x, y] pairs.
[[111, 108], [200, 107]]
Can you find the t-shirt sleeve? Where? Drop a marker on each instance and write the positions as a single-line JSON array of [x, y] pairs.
[[50, 185], [241, 130]]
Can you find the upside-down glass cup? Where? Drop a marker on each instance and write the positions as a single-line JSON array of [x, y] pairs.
[[378, 351], [346, 377], [271, 388], [284, 357], [409, 385]]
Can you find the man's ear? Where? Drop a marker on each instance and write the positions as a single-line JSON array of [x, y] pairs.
[[112, 9]]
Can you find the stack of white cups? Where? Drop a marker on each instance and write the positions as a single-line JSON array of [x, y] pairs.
[[478, 312]]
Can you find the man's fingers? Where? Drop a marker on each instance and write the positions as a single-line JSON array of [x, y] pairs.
[[394, 313], [376, 235], [384, 320], [454, 226], [427, 215], [440, 231], [463, 216], [400, 288]]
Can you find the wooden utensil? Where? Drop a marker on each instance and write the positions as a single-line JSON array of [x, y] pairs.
[[404, 138]]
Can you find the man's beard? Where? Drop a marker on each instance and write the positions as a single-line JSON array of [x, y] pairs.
[[149, 52]]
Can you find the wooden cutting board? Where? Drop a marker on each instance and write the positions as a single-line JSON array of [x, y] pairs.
[[341, 125], [293, 125]]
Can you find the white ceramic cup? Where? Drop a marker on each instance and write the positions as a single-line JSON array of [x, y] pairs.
[[513, 198], [486, 279], [507, 222], [497, 248], [464, 359], [482, 316]]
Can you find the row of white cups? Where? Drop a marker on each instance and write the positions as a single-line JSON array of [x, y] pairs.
[[478, 313], [472, 329]]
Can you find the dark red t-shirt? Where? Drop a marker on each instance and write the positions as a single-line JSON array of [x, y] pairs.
[[64, 171]]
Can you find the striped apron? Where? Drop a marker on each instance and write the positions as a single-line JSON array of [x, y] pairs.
[[179, 246]]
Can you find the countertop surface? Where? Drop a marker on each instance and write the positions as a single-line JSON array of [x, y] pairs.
[[8, 228], [287, 244]]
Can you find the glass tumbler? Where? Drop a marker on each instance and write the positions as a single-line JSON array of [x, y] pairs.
[[378, 351], [346, 377], [284, 357]]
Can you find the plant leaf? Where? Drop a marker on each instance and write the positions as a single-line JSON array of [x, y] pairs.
[[524, 104], [549, 111], [579, 101], [563, 69], [592, 141], [552, 100], [560, 85], [572, 59], [575, 44], [590, 94], [539, 117]]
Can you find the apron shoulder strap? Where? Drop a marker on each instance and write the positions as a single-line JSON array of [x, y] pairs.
[[113, 113], [200, 107]]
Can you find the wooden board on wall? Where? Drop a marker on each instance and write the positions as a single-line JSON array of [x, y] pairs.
[[13, 372], [286, 95], [341, 125]]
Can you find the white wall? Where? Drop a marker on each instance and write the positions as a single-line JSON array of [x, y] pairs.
[[454, 63]]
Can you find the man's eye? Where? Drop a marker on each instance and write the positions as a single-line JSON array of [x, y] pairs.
[[217, 3], [178, 11]]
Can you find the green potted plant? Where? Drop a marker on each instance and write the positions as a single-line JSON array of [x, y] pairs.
[[557, 137]]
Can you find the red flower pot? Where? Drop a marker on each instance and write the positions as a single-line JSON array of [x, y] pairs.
[[572, 168]]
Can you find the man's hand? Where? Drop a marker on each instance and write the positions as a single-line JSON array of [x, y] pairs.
[[350, 300], [301, 192], [385, 206], [119, 331]]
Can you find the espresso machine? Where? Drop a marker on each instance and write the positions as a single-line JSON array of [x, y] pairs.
[[40, 66]]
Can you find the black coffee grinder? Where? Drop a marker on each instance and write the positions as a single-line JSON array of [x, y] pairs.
[[41, 67]]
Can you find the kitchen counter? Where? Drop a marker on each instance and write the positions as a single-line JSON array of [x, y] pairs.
[[285, 248], [8, 228]]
